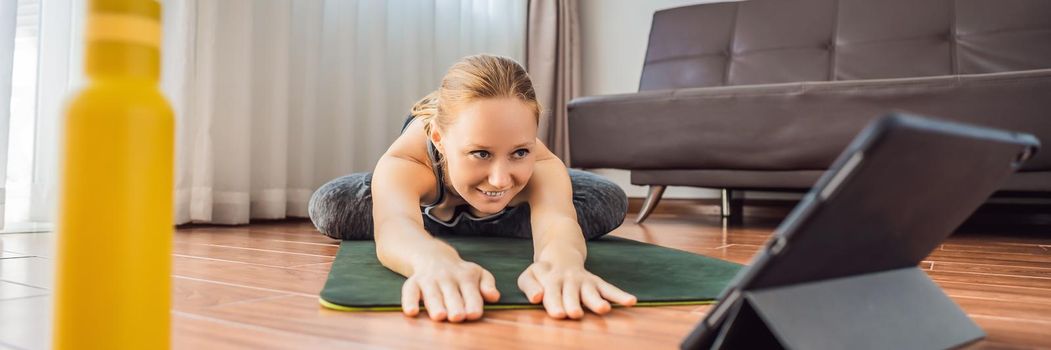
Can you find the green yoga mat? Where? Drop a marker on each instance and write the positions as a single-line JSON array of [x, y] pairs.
[[655, 275]]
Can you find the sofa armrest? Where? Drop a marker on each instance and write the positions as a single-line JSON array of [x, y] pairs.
[[791, 126]]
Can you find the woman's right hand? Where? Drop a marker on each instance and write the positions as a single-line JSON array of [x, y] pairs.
[[452, 289]]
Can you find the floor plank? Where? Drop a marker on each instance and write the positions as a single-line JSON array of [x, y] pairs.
[[248, 256], [32, 244], [391, 329], [277, 245], [191, 294], [26, 322], [12, 255], [287, 280], [31, 271], [192, 332], [1013, 332], [9, 290], [256, 286]]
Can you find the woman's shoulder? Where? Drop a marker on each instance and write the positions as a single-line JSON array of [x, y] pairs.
[[411, 144]]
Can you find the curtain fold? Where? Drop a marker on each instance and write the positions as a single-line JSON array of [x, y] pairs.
[[553, 60], [45, 67], [276, 97], [8, 16]]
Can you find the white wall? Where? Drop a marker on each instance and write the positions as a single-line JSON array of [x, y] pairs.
[[613, 36]]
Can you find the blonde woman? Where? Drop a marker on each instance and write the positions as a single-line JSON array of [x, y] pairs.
[[469, 161]]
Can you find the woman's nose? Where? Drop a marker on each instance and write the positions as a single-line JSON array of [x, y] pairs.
[[499, 178]]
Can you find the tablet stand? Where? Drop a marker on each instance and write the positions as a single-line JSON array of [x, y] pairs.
[[896, 309]]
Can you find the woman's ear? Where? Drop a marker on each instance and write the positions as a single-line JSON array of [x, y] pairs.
[[436, 139]]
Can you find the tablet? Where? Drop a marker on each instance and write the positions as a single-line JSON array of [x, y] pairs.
[[900, 188]]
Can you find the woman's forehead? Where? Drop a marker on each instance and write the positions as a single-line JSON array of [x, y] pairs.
[[495, 124]]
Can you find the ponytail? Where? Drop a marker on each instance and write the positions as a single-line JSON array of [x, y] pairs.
[[426, 110]]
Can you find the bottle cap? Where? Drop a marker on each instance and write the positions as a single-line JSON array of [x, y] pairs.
[[125, 21]]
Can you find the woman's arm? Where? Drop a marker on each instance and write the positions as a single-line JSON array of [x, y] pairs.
[[557, 276], [397, 185], [450, 287], [556, 233]]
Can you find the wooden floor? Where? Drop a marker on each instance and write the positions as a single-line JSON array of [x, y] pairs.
[[257, 287]]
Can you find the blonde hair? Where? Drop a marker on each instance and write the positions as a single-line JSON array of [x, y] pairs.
[[474, 78]]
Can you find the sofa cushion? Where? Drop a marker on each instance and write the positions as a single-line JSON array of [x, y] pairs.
[[791, 126], [776, 41]]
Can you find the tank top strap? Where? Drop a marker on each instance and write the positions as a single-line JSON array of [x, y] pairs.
[[436, 166]]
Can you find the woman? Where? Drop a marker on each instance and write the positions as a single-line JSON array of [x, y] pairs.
[[469, 159]]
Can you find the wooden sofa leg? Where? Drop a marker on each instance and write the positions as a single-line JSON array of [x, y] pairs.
[[656, 191], [732, 204]]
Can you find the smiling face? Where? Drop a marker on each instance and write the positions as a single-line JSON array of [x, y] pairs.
[[488, 150]]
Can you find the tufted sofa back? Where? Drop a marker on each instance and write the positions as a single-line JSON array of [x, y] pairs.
[[778, 41]]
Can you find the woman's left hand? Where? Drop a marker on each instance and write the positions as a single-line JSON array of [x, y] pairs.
[[563, 286]]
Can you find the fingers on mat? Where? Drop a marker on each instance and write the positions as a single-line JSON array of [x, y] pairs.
[[571, 300], [529, 285], [590, 296], [472, 300], [410, 298], [432, 300], [488, 287], [614, 294], [453, 301], [553, 299]]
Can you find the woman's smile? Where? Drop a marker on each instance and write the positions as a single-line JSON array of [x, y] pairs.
[[493, 194]]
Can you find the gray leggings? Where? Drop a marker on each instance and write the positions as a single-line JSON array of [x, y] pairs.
[[342, 209]]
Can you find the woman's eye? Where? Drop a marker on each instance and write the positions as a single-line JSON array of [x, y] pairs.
[[522, 153], [481, 154]]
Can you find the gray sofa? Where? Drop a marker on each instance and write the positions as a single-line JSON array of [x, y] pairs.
[[764, 94]]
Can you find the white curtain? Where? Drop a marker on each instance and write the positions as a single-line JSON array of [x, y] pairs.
[[276, 97], [272, 97], [8, 15], [46, 68]]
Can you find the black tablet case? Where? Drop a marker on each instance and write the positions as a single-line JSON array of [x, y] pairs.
[[840, 272]]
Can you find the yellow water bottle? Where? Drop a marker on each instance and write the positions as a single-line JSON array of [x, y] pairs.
[[115, 224]]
